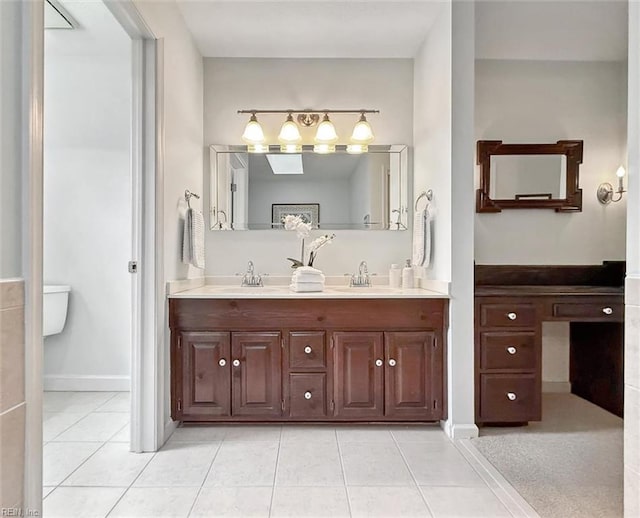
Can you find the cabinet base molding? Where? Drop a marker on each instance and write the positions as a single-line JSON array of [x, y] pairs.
[[460, 431]]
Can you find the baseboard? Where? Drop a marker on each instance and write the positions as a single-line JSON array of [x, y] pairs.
[[87, 383], [459, 431], [562, 387]]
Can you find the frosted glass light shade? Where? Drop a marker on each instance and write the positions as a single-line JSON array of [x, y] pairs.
[[289, 133], [357, 149], [253, 133], [620, 172], [362, 132], [324, 149], [326, 132]]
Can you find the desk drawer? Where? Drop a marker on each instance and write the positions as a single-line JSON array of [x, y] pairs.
[[591, 311], [509, 398], [307, 350], [307, 395], [508, 315], [508, 350]]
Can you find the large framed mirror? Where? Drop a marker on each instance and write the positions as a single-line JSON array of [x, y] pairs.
[[253, 191], [529, 176]]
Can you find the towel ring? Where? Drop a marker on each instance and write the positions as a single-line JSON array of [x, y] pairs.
[[424, 194], [187, 196]]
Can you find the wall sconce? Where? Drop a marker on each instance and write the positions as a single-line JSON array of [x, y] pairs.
[[605, 190], [325, 138]]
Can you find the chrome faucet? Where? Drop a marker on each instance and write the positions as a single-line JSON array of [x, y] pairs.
[[250, 278], [362, 280]]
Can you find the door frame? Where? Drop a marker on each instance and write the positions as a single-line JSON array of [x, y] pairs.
[[147, 158]]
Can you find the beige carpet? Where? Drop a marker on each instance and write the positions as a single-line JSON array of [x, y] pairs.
[[568, 465]]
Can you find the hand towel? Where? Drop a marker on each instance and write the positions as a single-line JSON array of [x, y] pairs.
[[307, 270], [307, 277], [193, 239], [307, 287], [422, 236]]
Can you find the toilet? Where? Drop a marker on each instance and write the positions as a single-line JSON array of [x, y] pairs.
[[54, 309]]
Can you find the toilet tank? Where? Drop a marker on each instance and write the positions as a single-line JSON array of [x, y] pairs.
[[54, 309]]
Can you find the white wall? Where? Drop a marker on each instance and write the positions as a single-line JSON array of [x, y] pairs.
[[432, 137], [232, 84], [183, 108], [539, 102], [10, 144], [87, 193]]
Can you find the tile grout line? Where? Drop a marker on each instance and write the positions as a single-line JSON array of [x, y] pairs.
[[275, 473], [193, 504], [344, 473], [67, 428], [415, 480]]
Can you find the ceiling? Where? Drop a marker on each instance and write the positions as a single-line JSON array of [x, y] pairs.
[[571, 30], [310, 28], [552, 30]]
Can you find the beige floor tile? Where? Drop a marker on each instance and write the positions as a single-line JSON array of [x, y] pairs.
[[95, 427], [60, 459], [312, 502], [197, 433], [81, 502], [78, 402], [244, 463], [152, 502], [384, 502], [54, 423], [240, 502], [464, 502], [309, 464], [374, 464], [121, 402], [380, 434]]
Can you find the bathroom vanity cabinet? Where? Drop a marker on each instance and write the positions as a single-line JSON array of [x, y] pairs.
[[308, 360]]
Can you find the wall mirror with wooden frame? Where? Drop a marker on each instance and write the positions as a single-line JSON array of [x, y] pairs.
[[529, 176]]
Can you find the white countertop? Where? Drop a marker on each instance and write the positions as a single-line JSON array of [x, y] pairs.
[[283, 292]]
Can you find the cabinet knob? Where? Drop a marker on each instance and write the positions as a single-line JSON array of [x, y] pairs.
[[512, 350], [512, 316], [222, 362], [607, 310], [307, 395], [236, 363], [307, 349], [511, 396], [379, 363], [392, 362]]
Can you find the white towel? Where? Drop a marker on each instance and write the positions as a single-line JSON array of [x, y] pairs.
[[422, 236], [307, 270], [306, 287], [307, 274], [193, 239]]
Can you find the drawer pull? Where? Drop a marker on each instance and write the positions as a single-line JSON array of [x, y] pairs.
[[222, 362], [607, 310], [379, 363], [307, 349], [512, 316], [392, 362], [511, 396], [307, 395], [236, 363], [512, 350]]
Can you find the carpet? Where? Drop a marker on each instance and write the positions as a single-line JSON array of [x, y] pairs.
[[569, 465]]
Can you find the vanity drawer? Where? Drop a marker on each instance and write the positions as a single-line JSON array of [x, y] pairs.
[[307, 350], [509, 398], [508, 350], [307, 395], [508, 315], [590, 311]]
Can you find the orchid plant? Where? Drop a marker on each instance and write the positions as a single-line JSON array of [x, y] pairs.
[[303, 230]]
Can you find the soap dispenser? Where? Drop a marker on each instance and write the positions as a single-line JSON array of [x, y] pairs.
[[407, 275]]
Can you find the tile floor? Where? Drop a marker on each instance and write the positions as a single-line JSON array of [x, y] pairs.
[[246, 471]]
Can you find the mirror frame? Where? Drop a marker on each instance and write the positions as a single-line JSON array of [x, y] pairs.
[[216, 223], [571, 149]]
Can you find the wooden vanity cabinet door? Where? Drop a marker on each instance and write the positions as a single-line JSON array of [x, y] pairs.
[[358, 380], [412, 381], [256, 373], [206, 376]]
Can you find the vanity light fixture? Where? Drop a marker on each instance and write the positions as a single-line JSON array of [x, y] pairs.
[[253, 133], [605, 190], [289, 136], [325, 139]]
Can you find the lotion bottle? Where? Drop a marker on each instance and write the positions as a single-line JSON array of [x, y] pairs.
[[395, 276], [407, 275]]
